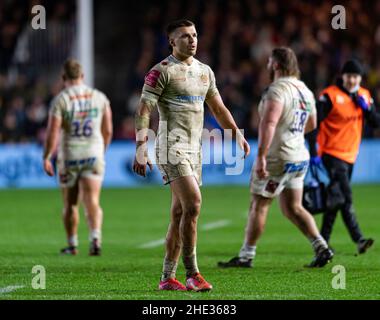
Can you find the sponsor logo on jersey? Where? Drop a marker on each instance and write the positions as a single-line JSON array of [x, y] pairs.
[[92, 113], [179, 79], [296, 167], [81, 97], [184, 98], [152, 77], [204, 79], [81, 162], [80, 114]]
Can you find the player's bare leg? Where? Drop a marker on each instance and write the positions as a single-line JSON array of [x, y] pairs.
[[257, 219], [258, 212], [71, 218], [187, 191], [291, 206], [173, 237], [173, 249], [90, 189]]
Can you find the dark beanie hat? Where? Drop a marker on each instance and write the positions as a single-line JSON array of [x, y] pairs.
[[352, 66]]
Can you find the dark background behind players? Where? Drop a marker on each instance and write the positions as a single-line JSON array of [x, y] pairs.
[[236, 37]]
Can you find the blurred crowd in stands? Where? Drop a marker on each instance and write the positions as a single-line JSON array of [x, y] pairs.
[[29, 63], [235, 39]]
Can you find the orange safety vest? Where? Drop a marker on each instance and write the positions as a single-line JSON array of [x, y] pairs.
[[340, 132]]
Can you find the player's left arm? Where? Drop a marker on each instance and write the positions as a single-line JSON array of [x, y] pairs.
[[107, 127], [51, 142], [226, 121], [267, 128], [311, 123]]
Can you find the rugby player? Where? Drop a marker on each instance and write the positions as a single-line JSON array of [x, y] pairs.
[[180, 85], [82, 115], [287, 111]]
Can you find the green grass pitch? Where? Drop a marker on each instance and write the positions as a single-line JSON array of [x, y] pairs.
[[31, 233]]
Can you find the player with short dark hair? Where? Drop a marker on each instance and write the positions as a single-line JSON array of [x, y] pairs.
[[82, 115], [179, 85]]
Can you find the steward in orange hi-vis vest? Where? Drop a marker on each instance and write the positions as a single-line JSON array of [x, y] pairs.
[[342, 110], [340, 133]]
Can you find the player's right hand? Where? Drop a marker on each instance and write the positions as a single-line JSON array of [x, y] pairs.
[[243, 144], [48, 167], [261, 168], [141, 161], [140, 168]]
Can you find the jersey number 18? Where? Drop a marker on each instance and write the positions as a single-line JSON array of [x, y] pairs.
[[299, 121]]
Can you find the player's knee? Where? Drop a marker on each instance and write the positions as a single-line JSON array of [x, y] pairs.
[[176, 212], [258, 210], [92, 204], [293, 209], [70, 210], [193, 208]]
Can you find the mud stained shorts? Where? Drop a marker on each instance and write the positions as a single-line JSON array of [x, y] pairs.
[[187, 165], [70, 171], [289, 175]]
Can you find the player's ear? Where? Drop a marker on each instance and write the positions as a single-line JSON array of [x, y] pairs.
[[275, 65], [171, 41]]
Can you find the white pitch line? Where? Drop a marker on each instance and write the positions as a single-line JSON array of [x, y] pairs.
[[9, 289], [205, 227], [215, 225], [152, 244]]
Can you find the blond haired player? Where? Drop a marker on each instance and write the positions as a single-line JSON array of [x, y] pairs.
[[82, 115], [287, 111], [180, 85]]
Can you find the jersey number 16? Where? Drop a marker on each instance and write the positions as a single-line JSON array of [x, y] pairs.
[[79, 129]]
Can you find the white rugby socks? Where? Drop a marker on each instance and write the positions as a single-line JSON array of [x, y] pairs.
[[96, 234], [318, 244], [169, 269], [247, 252], [189, 257], [73, 241]]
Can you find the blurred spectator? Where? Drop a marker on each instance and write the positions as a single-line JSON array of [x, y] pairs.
[[29, 64]]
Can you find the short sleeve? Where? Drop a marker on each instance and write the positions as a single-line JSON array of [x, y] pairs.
[[313, 108], [275, 92], [57, 107], [154, 84], [104, 101], [212, 90]]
